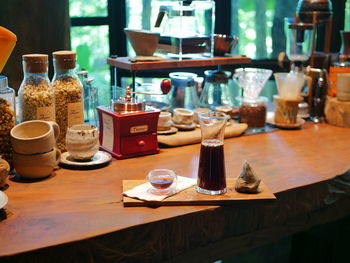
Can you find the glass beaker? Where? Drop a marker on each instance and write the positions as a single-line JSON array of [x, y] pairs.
[[298, 42], [211, 171]]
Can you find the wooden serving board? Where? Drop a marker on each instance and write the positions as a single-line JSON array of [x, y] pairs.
[[189, 196]]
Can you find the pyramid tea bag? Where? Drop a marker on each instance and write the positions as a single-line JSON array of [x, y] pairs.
[[247, 181]]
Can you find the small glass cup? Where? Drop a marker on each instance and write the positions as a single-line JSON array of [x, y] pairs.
[[162, 181]]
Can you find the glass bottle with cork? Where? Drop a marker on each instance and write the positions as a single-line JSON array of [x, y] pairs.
[[7, 118], [35, 95], [68, 94]]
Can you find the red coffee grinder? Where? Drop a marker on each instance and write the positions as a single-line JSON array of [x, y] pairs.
[[129, 129]]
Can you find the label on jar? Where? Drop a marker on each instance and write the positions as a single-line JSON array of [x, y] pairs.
[[75, 113], [46, 113], [108, 132], [333, 72]]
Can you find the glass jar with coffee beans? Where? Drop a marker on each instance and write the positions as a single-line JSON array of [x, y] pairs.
[[35, 95], [7, 118], [68, 94], [253, 112]]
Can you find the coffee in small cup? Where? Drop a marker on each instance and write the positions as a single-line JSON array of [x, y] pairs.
[[183, 116]]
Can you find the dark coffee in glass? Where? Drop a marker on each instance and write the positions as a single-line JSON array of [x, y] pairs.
[[211, 170]]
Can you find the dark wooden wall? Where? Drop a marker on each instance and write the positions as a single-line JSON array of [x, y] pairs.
[[41, 26]]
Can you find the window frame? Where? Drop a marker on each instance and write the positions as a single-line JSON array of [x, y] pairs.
[[116, 21]]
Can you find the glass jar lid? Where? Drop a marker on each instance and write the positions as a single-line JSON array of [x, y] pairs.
[[182, 79], [35, 63], [252, 102], [3, 82], [65, 59]]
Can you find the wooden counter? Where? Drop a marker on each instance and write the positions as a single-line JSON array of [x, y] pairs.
[[84, 207]]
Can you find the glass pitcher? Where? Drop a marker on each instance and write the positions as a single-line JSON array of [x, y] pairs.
[[216, 91], [183, 93], [211, 171]]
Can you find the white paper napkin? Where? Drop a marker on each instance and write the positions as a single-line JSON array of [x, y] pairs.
[[141, 191]]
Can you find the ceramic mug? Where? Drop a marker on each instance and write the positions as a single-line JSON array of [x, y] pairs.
[[36, 165], [197, 111], [82, 141], [164, 121], [183, 116], [35, 136]]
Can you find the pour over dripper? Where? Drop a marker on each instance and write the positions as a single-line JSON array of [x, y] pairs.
[[252, 80]]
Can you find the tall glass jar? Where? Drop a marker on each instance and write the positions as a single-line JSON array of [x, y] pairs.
[[7, 118], [35, 95], [68, 94]]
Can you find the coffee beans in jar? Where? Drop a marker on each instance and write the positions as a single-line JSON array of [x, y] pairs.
[[7, 122], [253, 113], [36, 96], [7, 118], [68, 94]]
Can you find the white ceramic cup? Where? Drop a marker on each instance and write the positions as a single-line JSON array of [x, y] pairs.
[[183, 116], [164, 121], [82, 141], [36, 165], [197, 111], [35, 136], [343, 86]]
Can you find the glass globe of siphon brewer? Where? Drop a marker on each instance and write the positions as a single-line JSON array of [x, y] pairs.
[[68, 94]]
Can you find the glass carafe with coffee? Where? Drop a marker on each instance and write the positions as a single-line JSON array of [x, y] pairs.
[[253, 108], [211, 172]]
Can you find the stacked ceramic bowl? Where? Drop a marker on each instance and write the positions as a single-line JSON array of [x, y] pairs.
[[34, 145]]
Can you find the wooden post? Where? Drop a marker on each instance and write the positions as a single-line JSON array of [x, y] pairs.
[[41, 26]]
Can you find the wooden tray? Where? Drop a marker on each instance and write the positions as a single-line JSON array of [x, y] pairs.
[[191, 197]]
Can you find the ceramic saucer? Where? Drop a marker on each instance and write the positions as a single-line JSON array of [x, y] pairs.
[[101, 158], [300, 122], [3, 199], [184, 127], [172, 130]]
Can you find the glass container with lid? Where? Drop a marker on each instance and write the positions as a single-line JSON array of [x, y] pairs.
[[216, 91], [7, 118], [186, 28], [35, 95], [68, 94]]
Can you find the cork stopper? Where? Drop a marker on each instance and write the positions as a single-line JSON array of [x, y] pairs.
[[65, 59], [35, 63]]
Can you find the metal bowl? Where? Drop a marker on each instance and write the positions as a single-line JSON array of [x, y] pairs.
[[142, 41], [224, 44]]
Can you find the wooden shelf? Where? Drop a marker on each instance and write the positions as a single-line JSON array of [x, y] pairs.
[[124, 63]]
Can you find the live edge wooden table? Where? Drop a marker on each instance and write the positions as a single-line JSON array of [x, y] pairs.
[[78, 216]]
